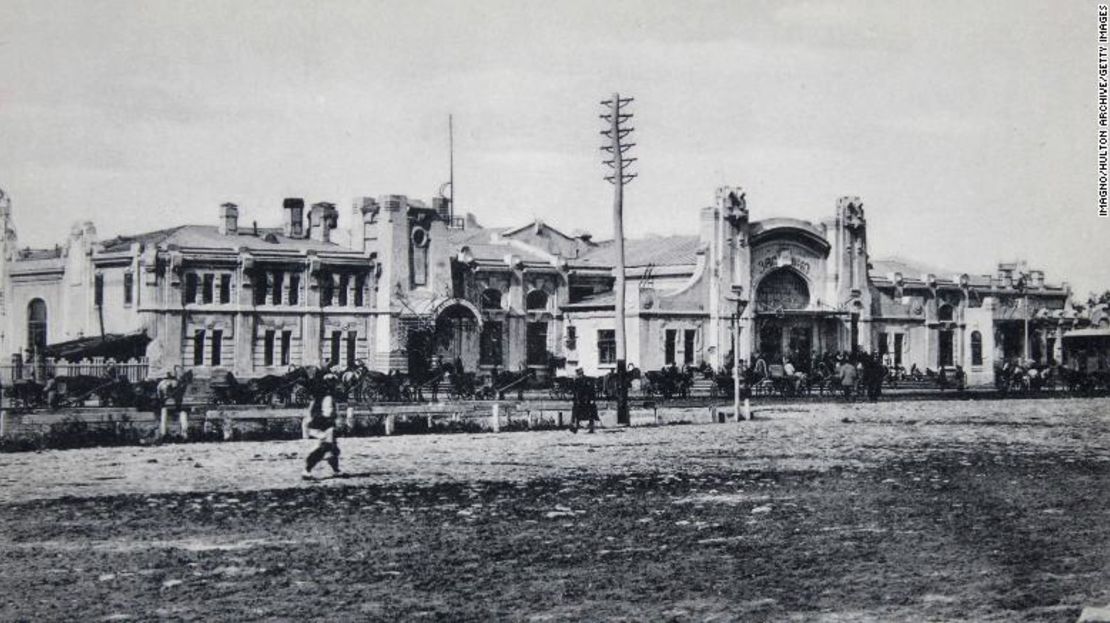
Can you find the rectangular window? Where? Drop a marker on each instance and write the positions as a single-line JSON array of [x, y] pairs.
[[336, 337], [190, 288], [259, 282], [279, 279], [669, 337], [225, 288], [572, 337], [268, 348], [327, 290], [360, 285], [98, 290], [688, 346], [536, 339], [898, 337], [489, 346], [294, 289], [606, 346], [208, 290], [945, 348], [286, 345], [344, 284], [882, 344], [352, 338], [198, 347], [128, 288], [217, 347]]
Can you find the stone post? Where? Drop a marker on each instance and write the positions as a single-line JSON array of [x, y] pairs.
[[183, 423], [495, 418], [163, 423]]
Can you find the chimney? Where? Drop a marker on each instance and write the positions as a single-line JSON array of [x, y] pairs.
[[229, 219], [293, 208], [364, 212], [322, 218]]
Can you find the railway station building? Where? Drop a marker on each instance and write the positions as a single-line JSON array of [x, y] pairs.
[[407, 284]]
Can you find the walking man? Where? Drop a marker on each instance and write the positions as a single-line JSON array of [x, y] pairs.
[[584, 406], [319, 424]]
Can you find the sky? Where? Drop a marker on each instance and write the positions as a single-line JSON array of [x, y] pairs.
[[968, 129]]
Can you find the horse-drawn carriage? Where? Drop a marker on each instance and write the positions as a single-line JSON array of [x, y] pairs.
[[670, 382], [1087, 360]]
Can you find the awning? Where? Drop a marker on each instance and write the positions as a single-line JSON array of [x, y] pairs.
[[1087, 333], [120, 347]]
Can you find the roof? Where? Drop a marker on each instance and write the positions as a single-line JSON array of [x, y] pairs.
[[209, 236], [650, 251], [536, 224], [480, 241], [909, 268], [123, 243]]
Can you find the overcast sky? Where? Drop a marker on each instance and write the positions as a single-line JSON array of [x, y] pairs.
[[969, 129]]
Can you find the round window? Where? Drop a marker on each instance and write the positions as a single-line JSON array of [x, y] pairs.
[[419, 237]]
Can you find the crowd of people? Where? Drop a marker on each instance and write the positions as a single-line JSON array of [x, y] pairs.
[[848, 373]]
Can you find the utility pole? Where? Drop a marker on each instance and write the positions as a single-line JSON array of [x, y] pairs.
[[617, 131], [451, 167]]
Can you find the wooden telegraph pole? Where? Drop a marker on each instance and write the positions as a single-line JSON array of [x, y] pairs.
[[616, 131]]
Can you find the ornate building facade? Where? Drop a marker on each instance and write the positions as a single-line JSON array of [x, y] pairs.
[[407, 283]]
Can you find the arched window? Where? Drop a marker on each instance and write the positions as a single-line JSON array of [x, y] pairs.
[[536, 301], [976, 348], [944, 312], [781, 290], [491, 298], [36, 325]]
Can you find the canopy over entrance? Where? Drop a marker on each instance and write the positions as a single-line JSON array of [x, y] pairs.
[[120, 347]]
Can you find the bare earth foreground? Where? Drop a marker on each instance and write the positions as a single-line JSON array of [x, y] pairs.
[[914, 511]]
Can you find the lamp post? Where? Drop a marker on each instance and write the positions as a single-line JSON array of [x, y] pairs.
[[741, 303], [1020, 286]]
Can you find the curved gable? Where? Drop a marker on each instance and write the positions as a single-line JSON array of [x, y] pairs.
[[790, 229]]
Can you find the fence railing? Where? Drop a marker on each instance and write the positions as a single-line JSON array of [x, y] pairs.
[[133, 370]]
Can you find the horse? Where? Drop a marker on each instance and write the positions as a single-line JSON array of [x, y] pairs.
[[291, 388], [173, 389]]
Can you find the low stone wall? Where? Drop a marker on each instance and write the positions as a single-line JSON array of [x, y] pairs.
[[251, 422]]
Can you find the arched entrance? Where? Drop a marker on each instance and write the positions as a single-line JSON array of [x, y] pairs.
[[36, 326], [457, 329], [782, 332]]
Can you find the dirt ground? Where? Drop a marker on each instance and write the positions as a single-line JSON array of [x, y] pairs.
[[914, 511]]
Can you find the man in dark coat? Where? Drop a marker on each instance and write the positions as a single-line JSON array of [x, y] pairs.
[[584, 406]]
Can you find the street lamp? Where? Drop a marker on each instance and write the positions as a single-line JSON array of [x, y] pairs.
[[1020, 286], [741, 303]]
